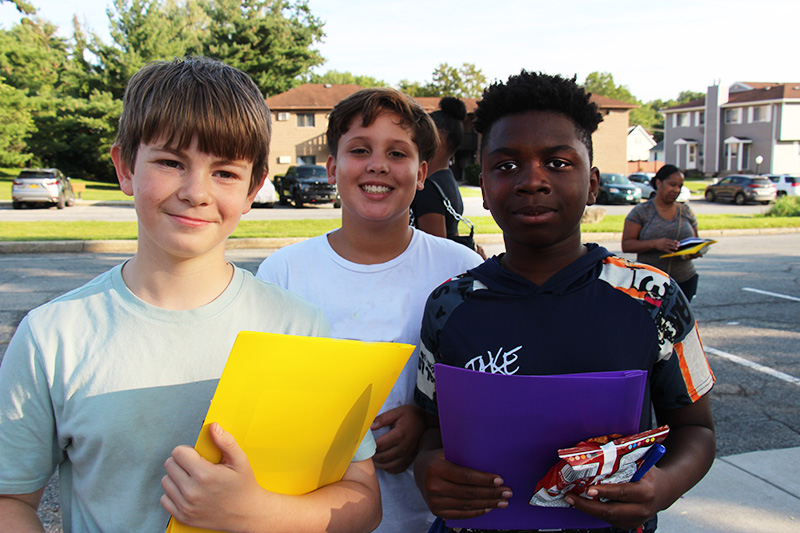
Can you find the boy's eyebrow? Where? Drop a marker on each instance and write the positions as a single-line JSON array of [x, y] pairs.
[[508, 150], [222, 161], [362, 138]]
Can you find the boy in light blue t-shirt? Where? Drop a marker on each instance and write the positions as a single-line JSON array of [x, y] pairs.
[[108, 405]]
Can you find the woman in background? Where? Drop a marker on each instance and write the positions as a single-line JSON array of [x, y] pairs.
[[655, 228], [429, 210]]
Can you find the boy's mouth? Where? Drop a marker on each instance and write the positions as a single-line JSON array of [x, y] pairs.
[[534, 210], [375, 189]]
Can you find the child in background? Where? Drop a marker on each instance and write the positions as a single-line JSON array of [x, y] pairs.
[[108, 404], [552, 305], [372, 275]]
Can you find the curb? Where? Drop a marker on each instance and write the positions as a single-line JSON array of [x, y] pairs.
[[129, 246]]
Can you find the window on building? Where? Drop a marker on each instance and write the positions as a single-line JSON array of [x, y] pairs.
[[759, 113], [305, 120], [733, 116], [699, 118], [682, 120], [306, 160]]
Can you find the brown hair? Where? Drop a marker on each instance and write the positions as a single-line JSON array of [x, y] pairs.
[[196, 97], [369, 103]]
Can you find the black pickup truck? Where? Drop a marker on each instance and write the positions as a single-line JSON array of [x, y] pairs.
[[306, 184]]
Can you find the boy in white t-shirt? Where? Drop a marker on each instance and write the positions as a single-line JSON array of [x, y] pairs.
[[372, 275], [110, 380]]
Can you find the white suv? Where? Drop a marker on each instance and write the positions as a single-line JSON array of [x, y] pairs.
[[42, 185], [787, 185]]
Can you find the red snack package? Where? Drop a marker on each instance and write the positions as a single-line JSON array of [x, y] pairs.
[[606, 459]]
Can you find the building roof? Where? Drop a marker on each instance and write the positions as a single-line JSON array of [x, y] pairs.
[[700, 102], [782, 91], [312, 96], [324, 96]]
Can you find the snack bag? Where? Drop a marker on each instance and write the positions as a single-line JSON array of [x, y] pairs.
[[606, 459]]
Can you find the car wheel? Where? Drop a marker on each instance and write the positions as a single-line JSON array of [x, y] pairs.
[[781, 193], [739, 199], [765, 202], [16, 205], [61, 202], [71, 202], [710, 196], [337, 204], [602, 198], [282, 200], [297, 199], [269, 205], [652, 195]]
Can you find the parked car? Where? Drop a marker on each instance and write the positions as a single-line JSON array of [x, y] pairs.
[[616, 188], [742, 188], [642, 180], [785, 184], [266, 195], [306, 184], [42, 185]]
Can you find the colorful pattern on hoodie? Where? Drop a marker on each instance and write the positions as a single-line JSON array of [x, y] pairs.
[[600, 313]]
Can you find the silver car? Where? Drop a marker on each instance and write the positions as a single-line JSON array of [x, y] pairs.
[[42, 185]]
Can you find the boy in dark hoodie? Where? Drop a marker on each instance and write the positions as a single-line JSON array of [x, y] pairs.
[[552, 305]]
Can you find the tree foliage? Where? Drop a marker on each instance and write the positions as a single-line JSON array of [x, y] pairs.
[[22, 6], [334, 77], [466, 81]]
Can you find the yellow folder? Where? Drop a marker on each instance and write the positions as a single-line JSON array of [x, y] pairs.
[[299, 406], [690, 246]]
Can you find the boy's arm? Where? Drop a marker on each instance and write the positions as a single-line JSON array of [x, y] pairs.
[[226, 496], [691, 446], [397, 448], [18, 512], [452, 491]]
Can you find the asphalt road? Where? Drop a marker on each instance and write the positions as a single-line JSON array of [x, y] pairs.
[[473, 206]]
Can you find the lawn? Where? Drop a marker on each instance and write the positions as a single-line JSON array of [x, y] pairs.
[[98, 230]]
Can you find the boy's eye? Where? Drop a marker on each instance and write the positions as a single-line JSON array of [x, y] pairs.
[[171, 163], [397, 154], [358, 151], [507, 166], [225, 174], [558, 163]]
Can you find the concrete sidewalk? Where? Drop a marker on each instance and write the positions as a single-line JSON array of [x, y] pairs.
[[747, 493]]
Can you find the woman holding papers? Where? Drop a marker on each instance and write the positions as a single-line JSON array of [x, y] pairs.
[[656, 227]]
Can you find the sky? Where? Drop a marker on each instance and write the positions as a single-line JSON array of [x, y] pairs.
[[655, 49]]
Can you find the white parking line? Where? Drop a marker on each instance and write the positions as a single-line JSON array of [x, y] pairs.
[[775, 294], [755, 366]]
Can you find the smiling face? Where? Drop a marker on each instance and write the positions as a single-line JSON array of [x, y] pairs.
[[377, 170], [187, 201], [537, 179]]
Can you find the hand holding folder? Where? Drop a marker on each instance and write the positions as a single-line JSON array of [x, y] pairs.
[[299, 406]]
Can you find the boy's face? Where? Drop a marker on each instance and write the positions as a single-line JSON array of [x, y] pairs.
[[536, 178], [187, 201], [377, 169]]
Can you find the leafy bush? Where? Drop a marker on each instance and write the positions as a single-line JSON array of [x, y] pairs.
[[786, 206], [472, 174]]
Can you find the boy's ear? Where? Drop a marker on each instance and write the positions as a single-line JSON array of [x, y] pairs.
[[594, 186], [422, 173], [483, 193], [330, 165], [251, 196], [122, 170]]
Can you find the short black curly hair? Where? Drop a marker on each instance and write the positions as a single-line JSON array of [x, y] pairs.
[[536, 91]]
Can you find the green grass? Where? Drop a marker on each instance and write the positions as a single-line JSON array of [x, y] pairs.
[[100, 191], [786, 206], [98, 230], [696, 186]]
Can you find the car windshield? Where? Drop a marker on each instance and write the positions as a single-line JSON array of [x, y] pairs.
[[308, 172], [618, 179], [35, 175]]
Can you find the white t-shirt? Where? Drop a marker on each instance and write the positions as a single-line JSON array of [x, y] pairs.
[[382, 302], [103, 386]]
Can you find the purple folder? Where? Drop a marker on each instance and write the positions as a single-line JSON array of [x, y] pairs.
[[514, 426]]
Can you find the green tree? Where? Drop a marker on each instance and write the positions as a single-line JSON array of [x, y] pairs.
[[466, 81], [16, 123], [271, 40], [22, 6], [334, 77], [602, 83]]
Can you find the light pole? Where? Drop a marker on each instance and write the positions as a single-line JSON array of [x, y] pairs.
[[759, 160]]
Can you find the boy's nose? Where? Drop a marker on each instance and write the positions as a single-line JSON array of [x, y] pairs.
[[533, 179], [378, 164], [195, 188]]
